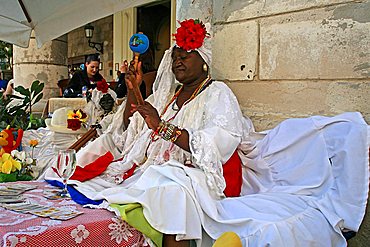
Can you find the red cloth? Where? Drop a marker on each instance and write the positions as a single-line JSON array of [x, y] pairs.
[[232, 172], [129, 172], [93, 169]]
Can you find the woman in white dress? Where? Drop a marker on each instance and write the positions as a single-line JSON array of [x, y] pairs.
[[303, 182]]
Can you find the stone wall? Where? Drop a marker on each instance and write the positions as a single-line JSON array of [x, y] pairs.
[[103, 33], [47, 64], [287, 59]]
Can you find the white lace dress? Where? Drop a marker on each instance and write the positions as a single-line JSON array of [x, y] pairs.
[[295, 177]]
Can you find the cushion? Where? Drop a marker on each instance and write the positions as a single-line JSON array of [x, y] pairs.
[[232, 172]]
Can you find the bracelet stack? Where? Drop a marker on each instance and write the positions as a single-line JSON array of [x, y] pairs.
[[166, 131]]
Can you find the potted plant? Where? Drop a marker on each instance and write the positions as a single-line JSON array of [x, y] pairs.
[[15, 165], [20, 116]]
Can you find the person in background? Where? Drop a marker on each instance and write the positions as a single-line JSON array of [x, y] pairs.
[[86, 77], [9, 89], [71, 71], [3, 84], [118, 75]]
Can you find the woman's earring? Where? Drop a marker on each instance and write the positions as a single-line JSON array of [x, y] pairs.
[[205, 67]]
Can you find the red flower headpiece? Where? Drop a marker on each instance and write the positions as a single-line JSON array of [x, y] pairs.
[[191, 34], [102, 86]]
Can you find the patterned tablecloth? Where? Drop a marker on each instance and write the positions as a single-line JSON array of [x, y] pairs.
[[95, 227]]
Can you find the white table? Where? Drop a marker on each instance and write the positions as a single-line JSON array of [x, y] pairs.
[[56, 103]]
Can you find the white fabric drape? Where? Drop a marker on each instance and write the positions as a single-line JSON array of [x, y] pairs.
[[46, 151]]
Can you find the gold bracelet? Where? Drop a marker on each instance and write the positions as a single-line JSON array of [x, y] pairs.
[[177, 134], [168, 131]]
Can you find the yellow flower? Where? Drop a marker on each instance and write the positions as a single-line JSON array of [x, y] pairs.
[[72, 115], [5, 157], [8, 164], [82, 116], [77, 114], [34, 143], [7, 167], [16, 165]]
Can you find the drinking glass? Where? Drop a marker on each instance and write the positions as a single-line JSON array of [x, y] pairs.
[[66, 165]]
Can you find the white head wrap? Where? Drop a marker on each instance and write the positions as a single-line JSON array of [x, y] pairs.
[[165, 83], [97, 95], [205, 51]]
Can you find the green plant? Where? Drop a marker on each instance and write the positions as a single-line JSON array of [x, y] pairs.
[[6, 55], [19, 115]]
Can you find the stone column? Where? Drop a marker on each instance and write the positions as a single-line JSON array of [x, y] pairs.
[[47, 64]]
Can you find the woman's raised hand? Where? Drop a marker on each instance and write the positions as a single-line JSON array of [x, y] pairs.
[[133, 79], [124, 67], [134, 75], [149, 113]]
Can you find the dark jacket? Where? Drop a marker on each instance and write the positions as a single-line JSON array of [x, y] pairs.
[[80, 79]]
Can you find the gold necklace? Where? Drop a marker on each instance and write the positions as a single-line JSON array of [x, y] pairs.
[[195, 93]]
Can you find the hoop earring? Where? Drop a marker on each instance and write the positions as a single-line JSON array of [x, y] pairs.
[[205, 67]]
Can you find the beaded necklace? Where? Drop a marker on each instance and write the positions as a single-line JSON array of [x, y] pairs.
[[197, 91], [174, 105]]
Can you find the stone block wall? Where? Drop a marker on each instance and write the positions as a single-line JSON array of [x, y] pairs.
[[103, 33], [288, 59]]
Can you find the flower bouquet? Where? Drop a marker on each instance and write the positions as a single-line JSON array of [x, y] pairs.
[[16, 166], [75, 119]]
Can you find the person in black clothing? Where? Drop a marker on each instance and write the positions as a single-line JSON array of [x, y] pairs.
[[86, 77], [146, 66]]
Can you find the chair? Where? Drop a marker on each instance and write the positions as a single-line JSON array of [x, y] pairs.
[[113, 85], [62, 84]]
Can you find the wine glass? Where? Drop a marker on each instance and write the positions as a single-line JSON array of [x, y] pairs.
[[66, 165]]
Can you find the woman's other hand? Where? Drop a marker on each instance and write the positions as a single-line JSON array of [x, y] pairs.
[[149, 113]]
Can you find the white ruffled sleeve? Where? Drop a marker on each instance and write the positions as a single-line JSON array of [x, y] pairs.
[[214, 143]]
